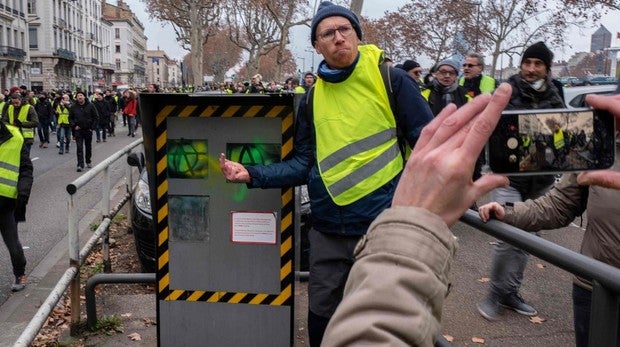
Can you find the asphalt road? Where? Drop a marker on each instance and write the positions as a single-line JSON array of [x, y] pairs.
[[47, 211], [545, 287]]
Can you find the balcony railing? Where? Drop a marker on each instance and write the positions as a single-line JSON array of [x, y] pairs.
[[140, 70], [12, 52], [65, 54], [94, 61]]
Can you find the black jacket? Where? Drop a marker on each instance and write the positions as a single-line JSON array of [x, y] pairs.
[[524, 97], [44, 109], [103, 110], [85, 116]]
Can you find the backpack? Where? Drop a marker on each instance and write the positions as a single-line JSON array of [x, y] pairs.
[[385, 74]]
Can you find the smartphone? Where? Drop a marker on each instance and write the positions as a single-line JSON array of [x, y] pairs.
[[552, 141]]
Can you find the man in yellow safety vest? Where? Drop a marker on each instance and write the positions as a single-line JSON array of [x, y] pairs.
[[23, 116]]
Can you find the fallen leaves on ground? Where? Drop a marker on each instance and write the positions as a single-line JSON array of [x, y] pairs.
[[484, 279], [123, 260], [135, 337], [449, 338], [537, 320], [541, 266], [476, 339]]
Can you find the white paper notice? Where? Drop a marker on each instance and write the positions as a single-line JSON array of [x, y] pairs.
[[254, 227]]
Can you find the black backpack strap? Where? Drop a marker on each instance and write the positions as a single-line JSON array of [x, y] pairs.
[[310, 104], [384, 68]]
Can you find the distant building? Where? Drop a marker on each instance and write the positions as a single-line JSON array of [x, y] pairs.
[[600, 40], [128, 45], [68, 45], [14, 59], [157, 68], [174, 73]]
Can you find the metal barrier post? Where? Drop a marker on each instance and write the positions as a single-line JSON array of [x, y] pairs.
[[105, 211], [74, 261], [603, 316]]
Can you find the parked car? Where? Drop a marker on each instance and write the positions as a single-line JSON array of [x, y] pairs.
[[571, 81], [600, 80], [575, 97], [141, 217]]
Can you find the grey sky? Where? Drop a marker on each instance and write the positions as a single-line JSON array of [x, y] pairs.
[[164, 37]]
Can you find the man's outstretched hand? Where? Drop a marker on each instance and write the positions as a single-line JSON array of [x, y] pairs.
[[438, 174], [233, 171]]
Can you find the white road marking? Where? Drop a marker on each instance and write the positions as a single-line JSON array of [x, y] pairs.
[[35, 158]]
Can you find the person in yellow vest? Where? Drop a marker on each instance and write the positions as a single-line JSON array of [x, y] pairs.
[[559, 145], [63, 131], [15, 185], [2, 103], [296, 87], [474, 81], [346, 151], [23, 116]]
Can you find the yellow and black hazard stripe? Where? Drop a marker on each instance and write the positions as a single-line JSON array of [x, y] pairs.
[[164, 291]]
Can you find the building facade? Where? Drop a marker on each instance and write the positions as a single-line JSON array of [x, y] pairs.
[[174, 74], [157, 68], [69, 45], [14, 59], [600, 40], [128, 45]]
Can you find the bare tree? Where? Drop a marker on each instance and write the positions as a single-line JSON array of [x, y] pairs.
[[429, 27], [220, 55], [193, 22], [286, 14], [253, 29]]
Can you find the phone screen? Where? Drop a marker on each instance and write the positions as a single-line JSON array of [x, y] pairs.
[[547, 141]]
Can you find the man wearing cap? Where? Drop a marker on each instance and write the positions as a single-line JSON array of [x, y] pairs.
[[474, 81], [531, 89], [414, 70], [346, 151], [83, 119], [309, 80], [444, 89], [22, 115]]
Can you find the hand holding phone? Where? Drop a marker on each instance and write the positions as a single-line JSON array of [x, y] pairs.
[[552, 141]]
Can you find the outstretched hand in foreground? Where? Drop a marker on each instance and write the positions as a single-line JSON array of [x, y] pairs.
[[603, 178], [438, 174]]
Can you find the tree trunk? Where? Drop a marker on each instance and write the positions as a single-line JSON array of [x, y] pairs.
[[196, 41], [356, 7]]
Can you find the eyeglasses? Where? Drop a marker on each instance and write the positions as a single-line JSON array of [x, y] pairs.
[[470, 65], [446, 72], [329, 34]]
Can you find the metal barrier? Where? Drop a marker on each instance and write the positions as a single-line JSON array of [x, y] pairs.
[[605, 278], [76, 256]]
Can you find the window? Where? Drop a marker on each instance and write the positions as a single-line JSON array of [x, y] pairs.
[[32, 6], [32, 36], [117, 33], [118, 64], [118, 49], [36, 68]]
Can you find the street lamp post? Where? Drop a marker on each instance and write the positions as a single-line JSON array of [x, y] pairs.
[[303, 61], [477, 4], [311, 51]]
